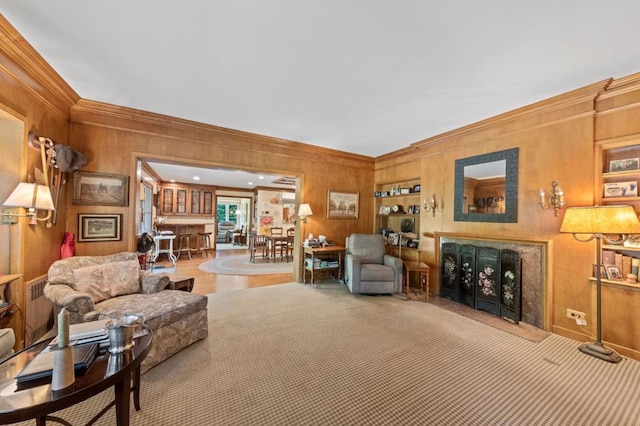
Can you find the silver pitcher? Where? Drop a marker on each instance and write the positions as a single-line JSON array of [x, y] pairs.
[[121, 332]]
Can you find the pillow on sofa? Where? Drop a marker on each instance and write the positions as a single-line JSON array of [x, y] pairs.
[[108, 279]]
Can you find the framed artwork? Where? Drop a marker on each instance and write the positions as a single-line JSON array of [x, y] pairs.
[[416, 188], [624, 165], [99, 227], [342, 205], [100, 189]]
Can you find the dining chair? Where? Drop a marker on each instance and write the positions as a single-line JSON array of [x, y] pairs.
[[277, 244], [257, 243], [289, 244]]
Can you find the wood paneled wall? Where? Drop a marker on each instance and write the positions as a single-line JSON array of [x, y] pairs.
[[31, 91], [557, 139], [113, 137]]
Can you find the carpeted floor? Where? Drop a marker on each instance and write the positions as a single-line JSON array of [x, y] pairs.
[[293, 355], [240, 265]]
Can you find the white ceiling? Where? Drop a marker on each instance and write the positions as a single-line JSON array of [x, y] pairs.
[[219, 177], [362, 76]]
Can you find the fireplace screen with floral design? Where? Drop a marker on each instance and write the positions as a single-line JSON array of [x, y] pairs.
[[484, 278]]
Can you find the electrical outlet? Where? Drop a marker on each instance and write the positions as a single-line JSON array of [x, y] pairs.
[[575, 314]]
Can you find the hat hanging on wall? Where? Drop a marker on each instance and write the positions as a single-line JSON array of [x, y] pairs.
[[67, 159]]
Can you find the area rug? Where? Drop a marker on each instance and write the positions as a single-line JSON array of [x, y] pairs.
[[240, 265], [230, 246]]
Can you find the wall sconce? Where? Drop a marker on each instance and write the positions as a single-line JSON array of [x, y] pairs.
[[556, 198], [303, 211], [432, 205], [33, 197]]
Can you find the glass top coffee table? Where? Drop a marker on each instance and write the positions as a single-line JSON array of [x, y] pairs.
[[37, 401]]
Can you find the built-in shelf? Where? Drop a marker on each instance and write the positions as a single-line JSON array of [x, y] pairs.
[[620, 248], [619, 284]]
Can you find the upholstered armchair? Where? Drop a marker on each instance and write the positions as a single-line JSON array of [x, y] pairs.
[[368, 269], [225, 230], [7, 340]]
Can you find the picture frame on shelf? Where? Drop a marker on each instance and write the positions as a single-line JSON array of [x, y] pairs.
[[100, 189], [96, 227], [624, 165], [393, 239], [413, 243], [416, 188], [385, 210], [405, 191], [603, 271], [342, 205], [613, 273]]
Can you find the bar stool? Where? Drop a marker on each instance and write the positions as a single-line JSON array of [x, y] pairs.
[[423, 269], [205, 243], [181, 239]]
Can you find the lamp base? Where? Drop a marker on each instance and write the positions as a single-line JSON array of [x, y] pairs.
[[598, 350]]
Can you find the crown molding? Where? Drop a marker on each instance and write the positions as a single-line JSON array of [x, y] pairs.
[[29, 69]]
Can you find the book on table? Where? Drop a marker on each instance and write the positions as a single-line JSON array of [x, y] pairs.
[[41, 366], [87, 332]]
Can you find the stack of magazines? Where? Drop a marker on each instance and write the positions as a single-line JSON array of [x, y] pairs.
[[85, 339]]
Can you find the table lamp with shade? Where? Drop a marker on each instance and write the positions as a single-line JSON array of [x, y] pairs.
[[599, 223]]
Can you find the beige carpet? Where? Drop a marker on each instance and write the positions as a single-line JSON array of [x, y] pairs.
[[293, 355]]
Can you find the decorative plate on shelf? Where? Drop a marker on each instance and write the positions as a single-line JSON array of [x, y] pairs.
[[407, 225]]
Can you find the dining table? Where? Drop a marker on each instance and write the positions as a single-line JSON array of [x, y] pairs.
[[272, 243]]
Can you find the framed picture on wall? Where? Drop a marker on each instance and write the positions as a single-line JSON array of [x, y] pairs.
[[342, 205], [99, 227], [100, 189]]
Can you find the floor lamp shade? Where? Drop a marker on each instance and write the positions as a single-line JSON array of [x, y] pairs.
[[595, 222], [601, 220]]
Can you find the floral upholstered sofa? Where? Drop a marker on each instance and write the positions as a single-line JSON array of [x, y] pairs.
[[98, 287]]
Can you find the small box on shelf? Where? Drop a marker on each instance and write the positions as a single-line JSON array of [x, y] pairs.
[[621, 189]]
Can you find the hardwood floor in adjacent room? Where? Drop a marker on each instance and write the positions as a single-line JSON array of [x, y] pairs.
[[206, 283]]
